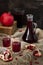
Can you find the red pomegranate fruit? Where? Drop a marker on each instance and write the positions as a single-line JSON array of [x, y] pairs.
[[7, 19]]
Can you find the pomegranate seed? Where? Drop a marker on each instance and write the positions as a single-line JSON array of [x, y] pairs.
[[20, 55], [30, 62], [16, 58], [35, 58], [36, 62], [20, 30]]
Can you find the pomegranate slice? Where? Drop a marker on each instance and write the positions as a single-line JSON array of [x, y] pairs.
[[5, 54], [31, 47], [37, 53]]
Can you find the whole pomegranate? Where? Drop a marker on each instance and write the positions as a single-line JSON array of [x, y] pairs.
[[7, 19]]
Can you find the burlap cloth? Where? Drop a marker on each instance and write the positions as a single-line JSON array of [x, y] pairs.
[[24, 57]]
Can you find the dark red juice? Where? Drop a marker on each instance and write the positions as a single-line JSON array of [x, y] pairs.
[[16, 46], [29, 35], [6, 42]]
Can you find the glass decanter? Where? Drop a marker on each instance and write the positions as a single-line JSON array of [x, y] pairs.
[[30, 35]]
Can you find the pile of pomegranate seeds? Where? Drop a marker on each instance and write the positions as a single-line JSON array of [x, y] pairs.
[[31, 47], [34, 49]]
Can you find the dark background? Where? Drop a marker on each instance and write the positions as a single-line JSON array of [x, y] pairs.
[[3, 6], [30, 6]]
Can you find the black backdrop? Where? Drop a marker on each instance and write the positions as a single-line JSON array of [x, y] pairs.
[[31, 6], [3, 6]]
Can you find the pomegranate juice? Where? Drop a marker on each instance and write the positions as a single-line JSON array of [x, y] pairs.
[[16, 46], [6, 42]]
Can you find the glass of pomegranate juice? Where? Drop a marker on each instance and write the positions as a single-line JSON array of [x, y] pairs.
[[6, 42], [16, 46]]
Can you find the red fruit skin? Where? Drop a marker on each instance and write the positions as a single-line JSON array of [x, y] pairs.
[[36, 53], [30, 47], [7, 19], [3, 15]]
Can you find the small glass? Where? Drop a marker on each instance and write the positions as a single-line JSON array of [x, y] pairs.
[[6, 41], [16, 46]]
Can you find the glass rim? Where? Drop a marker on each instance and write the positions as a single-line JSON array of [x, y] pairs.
[[16, 42]]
